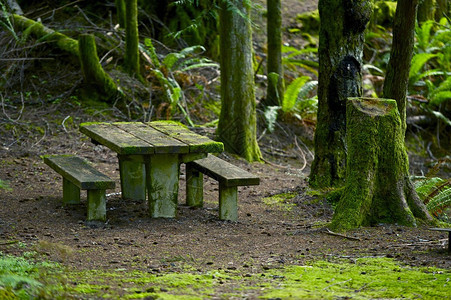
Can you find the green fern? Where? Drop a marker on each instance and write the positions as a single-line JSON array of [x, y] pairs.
[[435, 192], [5, 21]]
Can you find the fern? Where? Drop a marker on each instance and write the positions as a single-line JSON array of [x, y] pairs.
[[435, 192], [418, 62], [5, 21], [292, 92]]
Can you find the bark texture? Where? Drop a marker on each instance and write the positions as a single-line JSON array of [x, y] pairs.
[[340, 76], [378, 189], [275, 89], [131, 38], [237, 121], [98, 83], [397, 77]]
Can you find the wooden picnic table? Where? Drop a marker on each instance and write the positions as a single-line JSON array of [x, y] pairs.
[[150, 154]]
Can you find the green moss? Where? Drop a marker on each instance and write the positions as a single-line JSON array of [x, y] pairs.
[[309, 21], [281, 201], [365, 278]]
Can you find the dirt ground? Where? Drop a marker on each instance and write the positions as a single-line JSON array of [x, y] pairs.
[[266, 235]]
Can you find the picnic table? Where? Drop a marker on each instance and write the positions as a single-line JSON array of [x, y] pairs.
[[150, 154]]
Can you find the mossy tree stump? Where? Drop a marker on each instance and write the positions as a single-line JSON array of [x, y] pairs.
[[378, 188]]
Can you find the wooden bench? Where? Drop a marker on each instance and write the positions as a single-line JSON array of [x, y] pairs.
[[229, 178], [449, 235], [78, 174]]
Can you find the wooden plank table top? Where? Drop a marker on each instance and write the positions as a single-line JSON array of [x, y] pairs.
[[149, 156], [137, 138]]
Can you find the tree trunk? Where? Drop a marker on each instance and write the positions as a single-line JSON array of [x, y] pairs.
[[426, 9], [237, 121], [98, 83], [275, 89], [378, 189], [131, 38], [48, 35], [442, 9], [120, 11], [397, 77], [340, 76]]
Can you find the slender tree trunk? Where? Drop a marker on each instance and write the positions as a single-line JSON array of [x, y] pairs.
[[131, 38], [98, 83], [237, 121], [378, 189], [120, 11], [442, 9], [426, 9], [275, 89], [397, 79], [340, 76]]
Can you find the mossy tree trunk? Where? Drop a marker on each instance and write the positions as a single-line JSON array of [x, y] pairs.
[[276, 86], [120, 11], [397, 77], [378, 189], [54, 38], [98, 83], [426, 9], [237, 121], [340, 76], [131, 38]]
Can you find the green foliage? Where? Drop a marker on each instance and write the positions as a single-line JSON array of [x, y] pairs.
[[430, 71], [302, 58], [166, 69], [435, 192], [5, 21], [22, 278]]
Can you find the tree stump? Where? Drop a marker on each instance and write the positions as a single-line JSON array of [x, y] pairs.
[[378, 188]]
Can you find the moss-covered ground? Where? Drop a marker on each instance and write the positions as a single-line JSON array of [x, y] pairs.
[[345, 278]]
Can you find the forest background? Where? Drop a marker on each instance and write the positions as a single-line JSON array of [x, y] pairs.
[[45, 96]]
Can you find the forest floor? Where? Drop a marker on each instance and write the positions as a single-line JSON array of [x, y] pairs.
[[281, 222]]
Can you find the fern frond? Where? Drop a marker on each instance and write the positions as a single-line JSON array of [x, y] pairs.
[[292, 92], [440, 201], [418, 62]]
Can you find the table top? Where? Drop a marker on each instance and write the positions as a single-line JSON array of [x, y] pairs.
[[146, 138]]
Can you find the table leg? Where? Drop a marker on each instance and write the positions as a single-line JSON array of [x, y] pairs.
[[162, 181], [133, 177]]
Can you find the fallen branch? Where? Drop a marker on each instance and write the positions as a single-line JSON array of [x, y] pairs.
[[341, 235]]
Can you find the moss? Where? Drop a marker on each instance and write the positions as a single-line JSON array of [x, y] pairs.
[[281, 201], [309, 21]]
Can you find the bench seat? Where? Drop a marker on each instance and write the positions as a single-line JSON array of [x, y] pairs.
[[229, 177], [78, 174]]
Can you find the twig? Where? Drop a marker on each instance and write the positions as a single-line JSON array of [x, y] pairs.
[[302, 153], [59, 8], [8, 243], [342, 235], [25, 58], [341, 282]]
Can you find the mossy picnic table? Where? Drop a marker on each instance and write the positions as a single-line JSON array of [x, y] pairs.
[[150, 154]]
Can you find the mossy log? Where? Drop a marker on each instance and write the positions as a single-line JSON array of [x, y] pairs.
[[51, 36], [378, 188], [99, 83]]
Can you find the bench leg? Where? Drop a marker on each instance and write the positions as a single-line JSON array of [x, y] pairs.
[[96, 205], [71, 192], [162, 181], [228, 202], [194, 187], [133, 178]]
